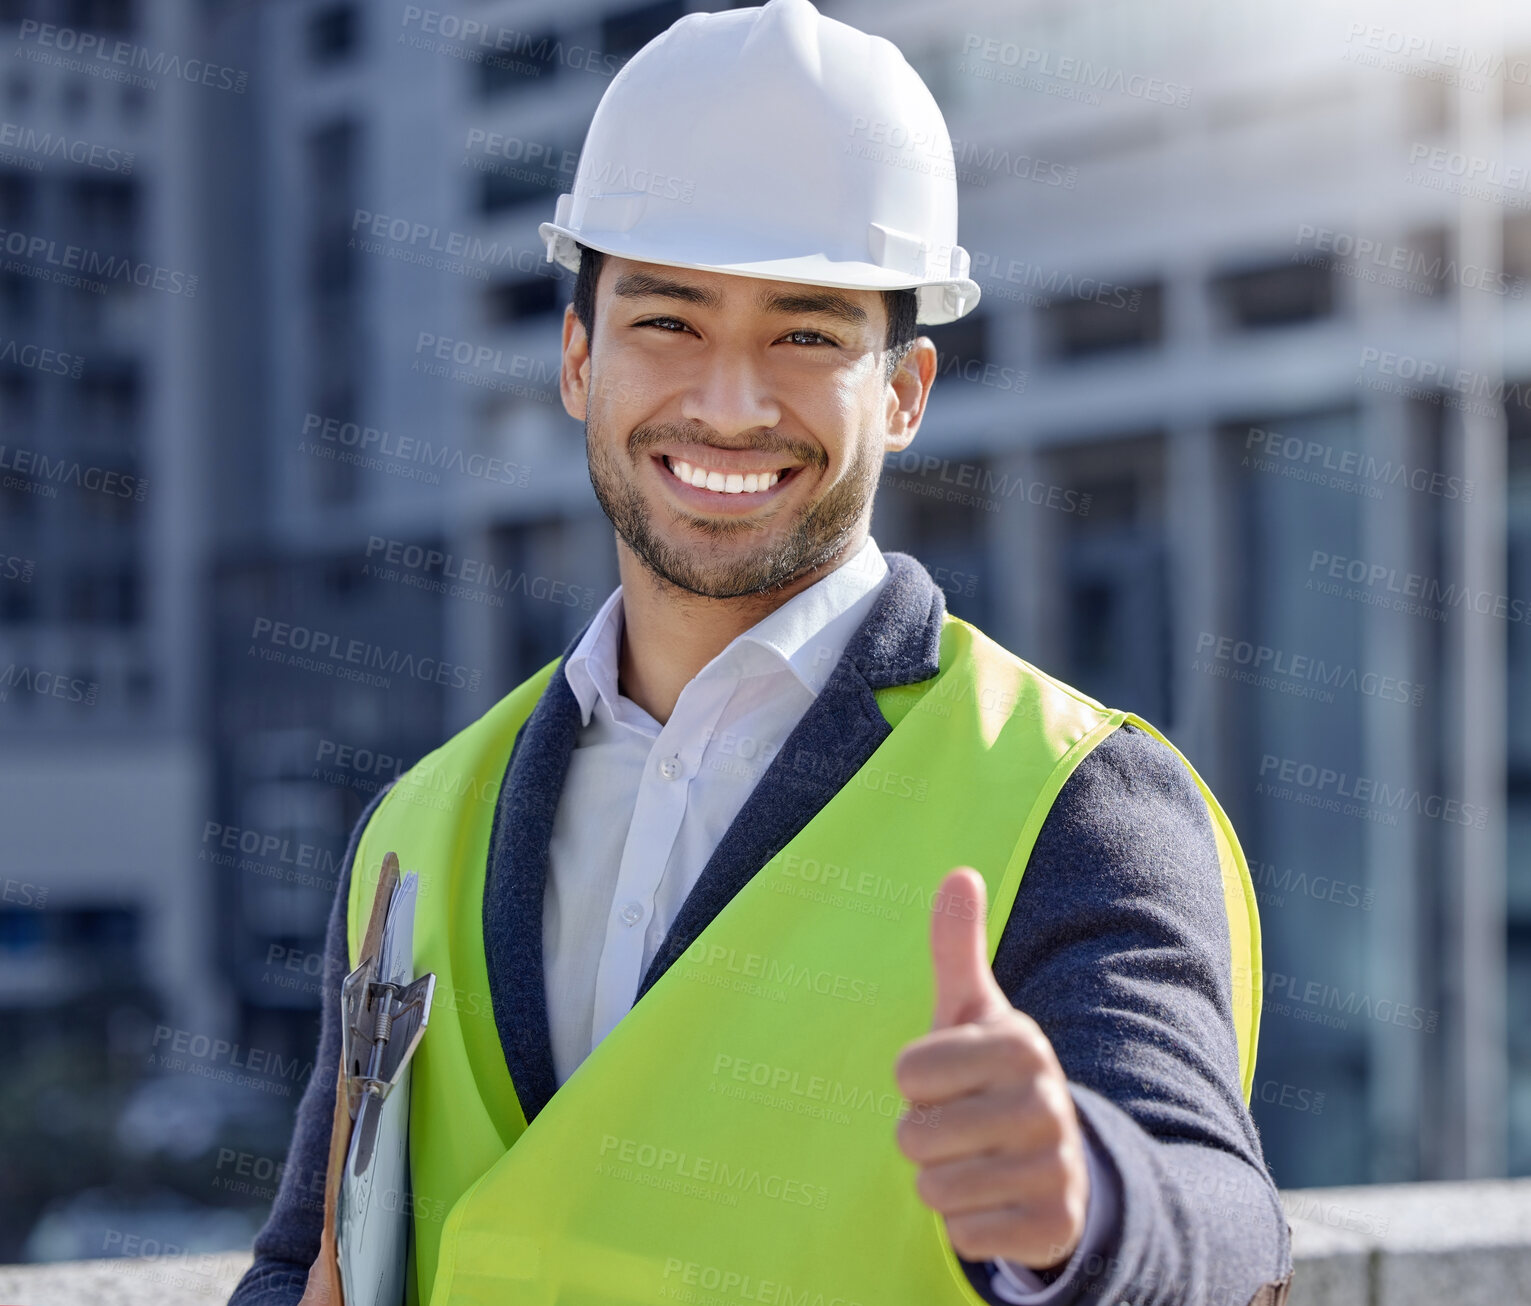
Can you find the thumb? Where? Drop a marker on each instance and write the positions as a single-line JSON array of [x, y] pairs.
[[965, 986]]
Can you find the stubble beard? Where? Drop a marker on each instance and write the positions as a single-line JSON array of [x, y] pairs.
[[817, 535]]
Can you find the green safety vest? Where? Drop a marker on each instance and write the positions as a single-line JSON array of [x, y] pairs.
[[733, 1138]]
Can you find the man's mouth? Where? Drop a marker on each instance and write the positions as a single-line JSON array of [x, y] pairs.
[[724, 482]]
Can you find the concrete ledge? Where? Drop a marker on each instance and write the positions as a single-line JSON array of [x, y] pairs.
[[174, 1280], [1466, 1244]]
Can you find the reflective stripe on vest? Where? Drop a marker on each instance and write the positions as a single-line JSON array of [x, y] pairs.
[[733, 1138]]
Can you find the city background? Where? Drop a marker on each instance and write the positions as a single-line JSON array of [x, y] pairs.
[[1238, 438]]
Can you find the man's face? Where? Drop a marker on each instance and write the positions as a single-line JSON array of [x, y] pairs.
[[736, 381]]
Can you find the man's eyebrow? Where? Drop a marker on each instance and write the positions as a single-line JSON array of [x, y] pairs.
[[824, 303], [636, 285]]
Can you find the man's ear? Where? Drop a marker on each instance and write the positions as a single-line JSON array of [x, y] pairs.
[[574, 371], [908, 391]]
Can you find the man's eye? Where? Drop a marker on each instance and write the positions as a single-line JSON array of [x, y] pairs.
[[656, 321], [674, 326]]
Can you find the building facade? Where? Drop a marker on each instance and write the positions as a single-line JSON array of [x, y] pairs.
[[1237, 439]]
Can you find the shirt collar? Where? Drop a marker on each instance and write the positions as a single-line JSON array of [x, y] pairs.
[[806, 634]]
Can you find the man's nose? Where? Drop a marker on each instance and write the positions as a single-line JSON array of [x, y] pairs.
[[730, 394]]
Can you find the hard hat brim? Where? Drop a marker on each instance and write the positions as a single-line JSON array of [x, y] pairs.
[[939, 300]]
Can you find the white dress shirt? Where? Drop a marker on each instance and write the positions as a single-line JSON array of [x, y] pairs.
[[643, 806]]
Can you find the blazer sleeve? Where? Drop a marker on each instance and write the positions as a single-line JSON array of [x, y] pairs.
[[1118, 947], [288, 1242]]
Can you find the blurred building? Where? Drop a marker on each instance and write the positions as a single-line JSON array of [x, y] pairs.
[[1234, 396], [1204, 245], [103, 768], [404, 525], [1262, 326]]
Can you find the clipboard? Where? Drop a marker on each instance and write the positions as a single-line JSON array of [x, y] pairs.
[[363, 1251]]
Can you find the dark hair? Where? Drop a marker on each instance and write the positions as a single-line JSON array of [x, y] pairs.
[[902, 307]]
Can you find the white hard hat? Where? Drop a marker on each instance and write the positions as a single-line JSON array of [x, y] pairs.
[[772, 142]]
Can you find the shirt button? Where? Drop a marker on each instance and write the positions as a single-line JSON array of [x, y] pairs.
[[670, 768], [631, 913]]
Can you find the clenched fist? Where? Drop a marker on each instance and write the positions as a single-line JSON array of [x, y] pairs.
[[1002, 1158]]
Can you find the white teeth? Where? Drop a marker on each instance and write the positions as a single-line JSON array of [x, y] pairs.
[[722, 482]]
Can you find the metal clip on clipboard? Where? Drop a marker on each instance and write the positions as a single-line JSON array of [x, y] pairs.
[[384, 1023]]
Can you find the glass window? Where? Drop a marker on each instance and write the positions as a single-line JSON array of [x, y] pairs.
[[332, 33], [530, 61], [18, 194], [1293, 716], [960, 345], [1517, 246], [332, 162], [1088, 326], [1275, 294], [942, 512], [114, 16], [1429, 271], [1517, 86], [504, 184], [1427, 105], [526, 297], [1109, 569], [105, 212], [1518, 840]]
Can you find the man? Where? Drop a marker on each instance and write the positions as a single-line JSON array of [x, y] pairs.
[[723, 1015]]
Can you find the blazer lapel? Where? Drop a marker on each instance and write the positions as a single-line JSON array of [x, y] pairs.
[[513, 886], [898, 644]]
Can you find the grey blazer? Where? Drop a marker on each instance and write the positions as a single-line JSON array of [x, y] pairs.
[[1117, 945]]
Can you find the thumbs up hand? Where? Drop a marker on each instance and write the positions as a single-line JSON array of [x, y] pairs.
[[991, 1126]]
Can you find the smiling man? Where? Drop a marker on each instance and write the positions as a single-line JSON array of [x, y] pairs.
[[727, 1014], [735, 434]]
